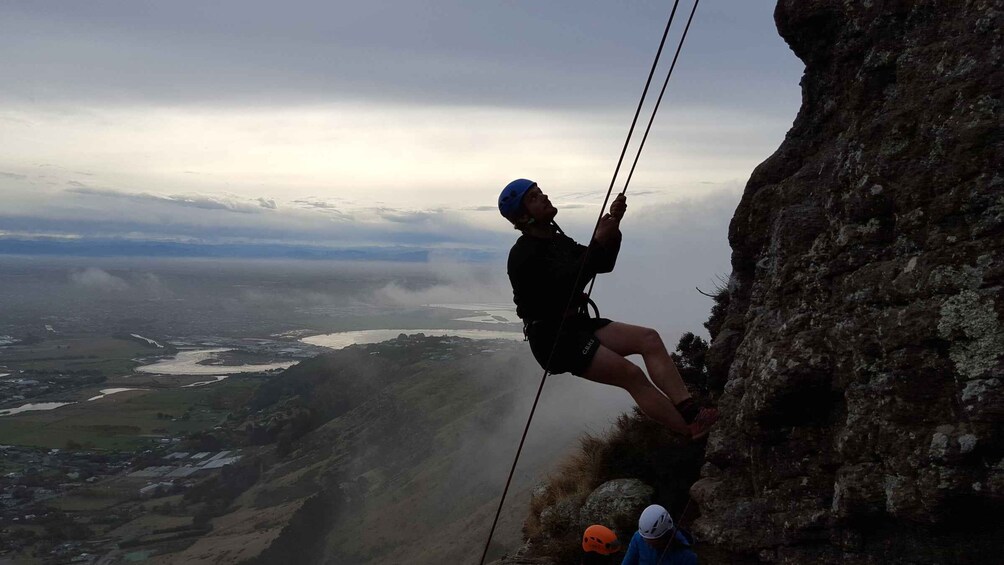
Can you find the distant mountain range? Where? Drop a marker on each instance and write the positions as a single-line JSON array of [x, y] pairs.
[[145, 248]]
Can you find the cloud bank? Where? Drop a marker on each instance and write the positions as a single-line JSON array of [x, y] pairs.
[[97, 279]]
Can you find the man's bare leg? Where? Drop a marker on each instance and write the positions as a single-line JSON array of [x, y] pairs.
[[608, 367], [626, 339]]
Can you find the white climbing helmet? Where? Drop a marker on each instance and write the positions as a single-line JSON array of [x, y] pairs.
[[654, 522]]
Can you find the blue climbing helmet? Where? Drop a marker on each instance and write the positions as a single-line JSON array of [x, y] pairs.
[[512, 197]]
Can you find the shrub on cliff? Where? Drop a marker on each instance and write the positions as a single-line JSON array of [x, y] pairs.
[[689, 359]]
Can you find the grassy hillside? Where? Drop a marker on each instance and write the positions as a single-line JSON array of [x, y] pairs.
[[399, 458]]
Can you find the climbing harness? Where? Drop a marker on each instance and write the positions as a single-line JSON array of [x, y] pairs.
[[583, 308], [585, 256]]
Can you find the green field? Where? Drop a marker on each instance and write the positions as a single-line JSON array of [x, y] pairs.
[[123, 421], [107, 355], [128, 420]]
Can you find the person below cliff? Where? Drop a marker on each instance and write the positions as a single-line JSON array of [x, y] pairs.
[[543, 266], [658, 541], [599, 546]]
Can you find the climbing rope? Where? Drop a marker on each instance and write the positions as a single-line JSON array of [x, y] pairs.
[[648, 128], [585, 256]]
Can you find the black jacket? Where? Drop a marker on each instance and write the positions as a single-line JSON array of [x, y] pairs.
[[543, 270]]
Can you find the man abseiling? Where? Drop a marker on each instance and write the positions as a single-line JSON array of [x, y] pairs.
[[543, 266]]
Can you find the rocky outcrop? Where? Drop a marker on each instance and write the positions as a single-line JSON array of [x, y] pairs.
[[861, 350], [609, 481]]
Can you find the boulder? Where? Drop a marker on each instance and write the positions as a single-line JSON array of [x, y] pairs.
[[560, 518], [616, 504]]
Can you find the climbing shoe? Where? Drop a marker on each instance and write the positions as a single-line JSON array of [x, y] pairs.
[[701, 425]]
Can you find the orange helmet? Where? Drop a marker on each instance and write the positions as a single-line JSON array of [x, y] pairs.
[[600, 539]]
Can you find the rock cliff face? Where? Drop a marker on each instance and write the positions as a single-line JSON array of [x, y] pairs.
[[861, 352]]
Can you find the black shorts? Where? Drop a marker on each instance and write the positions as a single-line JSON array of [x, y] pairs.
[[576, 346]]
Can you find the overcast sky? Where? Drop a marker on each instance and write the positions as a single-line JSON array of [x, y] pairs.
[[380, 123]]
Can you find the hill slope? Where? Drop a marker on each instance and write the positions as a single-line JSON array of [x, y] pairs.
[[417, 439]]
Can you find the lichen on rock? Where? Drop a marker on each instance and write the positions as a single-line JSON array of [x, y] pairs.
[[970, 322]]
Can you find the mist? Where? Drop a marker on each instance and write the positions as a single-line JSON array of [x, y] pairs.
[[440, 468], [443, 434]]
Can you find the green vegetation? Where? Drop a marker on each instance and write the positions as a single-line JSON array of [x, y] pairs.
[[107, 356], [129, 420], [689, 359]]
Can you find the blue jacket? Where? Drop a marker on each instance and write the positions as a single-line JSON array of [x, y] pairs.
[[641, 553]]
